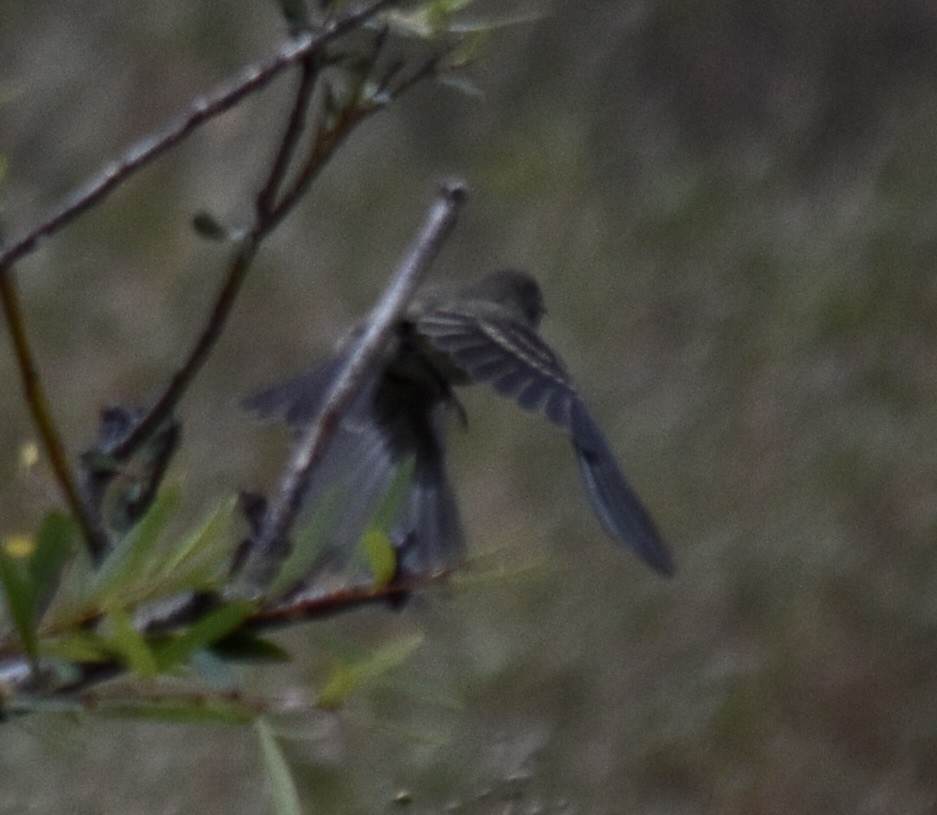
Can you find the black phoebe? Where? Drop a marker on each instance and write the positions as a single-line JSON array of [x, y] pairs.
[[485, 333]]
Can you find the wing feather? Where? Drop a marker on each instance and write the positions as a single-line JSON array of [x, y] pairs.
[[505, 354]]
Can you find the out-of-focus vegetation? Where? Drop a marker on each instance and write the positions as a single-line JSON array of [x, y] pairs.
[[731, 208]]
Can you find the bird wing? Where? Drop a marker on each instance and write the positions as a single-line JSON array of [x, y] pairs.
[[518, 364], [620, 510], [299, 399], [375, 437], [507, 355]]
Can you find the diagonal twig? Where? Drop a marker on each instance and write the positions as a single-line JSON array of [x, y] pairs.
[[270, 545], [249, 80], [272, 207], [93, 533], [264, 222], [294, 129]]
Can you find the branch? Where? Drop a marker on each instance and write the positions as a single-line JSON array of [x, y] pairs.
[[271, 207], [251, 79], [264, 221], [329, 139], [17, 675], [294, 129], [269, 546], [93, 534]]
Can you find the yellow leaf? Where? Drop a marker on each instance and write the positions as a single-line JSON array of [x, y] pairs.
[[381, 556], [29, 455], [19, 546], [341, 682]]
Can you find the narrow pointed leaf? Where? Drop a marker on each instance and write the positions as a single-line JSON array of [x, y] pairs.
[[204, 547], [20, 596], [347, 676], [382, 557], [339, 686], [78, 645], [213, 627], [280, 780], [55, 542], [126, 566], [388, 658], [130, 645]]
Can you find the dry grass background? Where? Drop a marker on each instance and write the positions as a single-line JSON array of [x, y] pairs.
[[732, 210]]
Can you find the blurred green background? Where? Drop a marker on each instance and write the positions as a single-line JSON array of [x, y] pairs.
[[732, 208]]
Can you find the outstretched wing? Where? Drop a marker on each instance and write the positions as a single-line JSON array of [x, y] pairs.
[[299, 399], [518, 364], [507, 355]]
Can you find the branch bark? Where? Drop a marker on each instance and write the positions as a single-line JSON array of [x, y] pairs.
[[270, 545], [249, 80]]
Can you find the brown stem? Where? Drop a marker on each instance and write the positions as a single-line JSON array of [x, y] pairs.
[[94, 536]]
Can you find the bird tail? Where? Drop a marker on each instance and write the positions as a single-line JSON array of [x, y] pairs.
[[375, 438], [615, 502], [428, 533]]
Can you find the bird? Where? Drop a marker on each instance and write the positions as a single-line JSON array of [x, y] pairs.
[[485, 333]]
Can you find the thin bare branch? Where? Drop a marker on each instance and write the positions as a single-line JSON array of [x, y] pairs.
[[249, 80], [264, 221], [270, 546], [330, 138], [294, 130], [94, 535]]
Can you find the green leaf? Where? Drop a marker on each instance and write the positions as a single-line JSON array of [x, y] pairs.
[[129, 644], [427, 21], [78, 645], [56, 540], [485, 26], [378, 548], [203, 549], [434, 19], [382, 557], [30, 581], [279, 778], [389, 657], [341, 683], [347, 676], [20, 596], [213, 627], [125, 569]]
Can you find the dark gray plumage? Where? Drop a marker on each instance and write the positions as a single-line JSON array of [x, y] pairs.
[[482, 333]]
